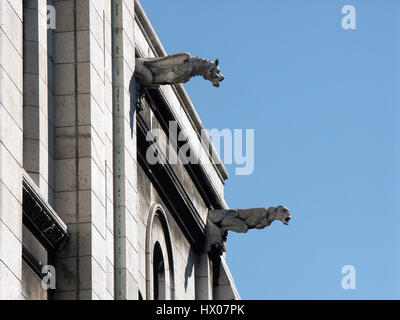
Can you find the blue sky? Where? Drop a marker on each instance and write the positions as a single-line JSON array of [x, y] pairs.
[[324, 103]]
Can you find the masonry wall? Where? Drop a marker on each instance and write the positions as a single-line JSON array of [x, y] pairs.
[[184, 257], [83, 148], [11, 139], [68, 119], [191, 269]]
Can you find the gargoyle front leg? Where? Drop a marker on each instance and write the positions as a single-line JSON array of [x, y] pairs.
[[235, 225], [143, 74]]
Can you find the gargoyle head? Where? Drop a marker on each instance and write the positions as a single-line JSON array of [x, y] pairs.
[[214, 74], [283, 214]]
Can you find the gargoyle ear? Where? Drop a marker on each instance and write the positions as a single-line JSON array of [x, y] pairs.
[[216, 62]]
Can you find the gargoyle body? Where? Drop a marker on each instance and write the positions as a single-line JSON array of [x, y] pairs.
[[219, 222], [241, 220], [175, 69]]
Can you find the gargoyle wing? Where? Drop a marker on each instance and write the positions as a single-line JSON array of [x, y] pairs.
[[166, 62], [217, 216]]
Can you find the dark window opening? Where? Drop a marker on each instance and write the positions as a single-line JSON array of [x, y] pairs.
[[159, 273]]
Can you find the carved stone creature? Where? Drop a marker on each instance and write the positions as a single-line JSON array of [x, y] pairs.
[[176, 68], [241, 220]]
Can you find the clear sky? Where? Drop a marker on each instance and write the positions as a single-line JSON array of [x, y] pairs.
[[324, 103]]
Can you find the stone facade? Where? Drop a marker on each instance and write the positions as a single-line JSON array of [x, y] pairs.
[[76, 191]]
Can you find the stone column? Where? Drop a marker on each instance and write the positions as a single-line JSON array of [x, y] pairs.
[[36, 121], [11, 154], [125, 160], [203, 274], [83, 140]]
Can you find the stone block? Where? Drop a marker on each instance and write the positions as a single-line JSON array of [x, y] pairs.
[[65, 110], [11, 25], [31, 155], [110, 246], [203, 288], [31, 284], [65, 147], [97, 58], [141, 43], [64, 21], [141, 263], [10, 135], [98, 248], [31, 24], [65, 170], [11, 211], [80, 235], [65, 85], [65, 205], [97, 85], [50, 79], [84, 77], [128, 71], [129, 49], [66, 273], [11, 61], [202, 265], [64, 47], [31, 90], [98, 149], [110, 215], [96, 22], [108, 90], [83, 17], [99, 280], [98, 182], [10, 172], [10, 250], [11, 98], [10, 285], [43, 64], [107, 11], [132, 288], [31, 52], [98, 214], [109, 173], [131, 198], [17, 7], [130, 230]]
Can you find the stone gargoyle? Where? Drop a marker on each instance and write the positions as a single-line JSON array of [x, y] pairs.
[[241, 220], [176, 68]]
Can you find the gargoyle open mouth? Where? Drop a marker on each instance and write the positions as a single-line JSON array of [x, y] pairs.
[[287, 219]]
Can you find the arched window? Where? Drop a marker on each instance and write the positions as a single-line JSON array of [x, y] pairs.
[[159, 259], [158, 273]]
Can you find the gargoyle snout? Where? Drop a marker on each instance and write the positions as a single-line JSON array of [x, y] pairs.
[[218, 80]]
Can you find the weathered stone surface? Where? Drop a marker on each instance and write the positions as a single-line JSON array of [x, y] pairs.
[[241, 220], [219, 222], [79, 133], [176, 68]]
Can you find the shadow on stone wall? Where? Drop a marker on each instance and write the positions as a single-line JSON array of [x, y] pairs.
[[189, 267]]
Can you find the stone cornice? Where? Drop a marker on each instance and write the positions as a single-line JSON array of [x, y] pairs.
[[41, 219], [183, 97], [31, 260], [212, 198], [172, 190]]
